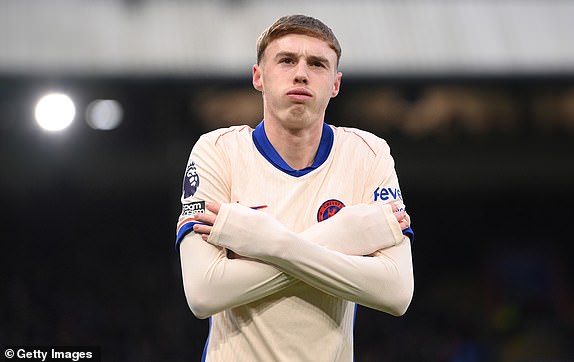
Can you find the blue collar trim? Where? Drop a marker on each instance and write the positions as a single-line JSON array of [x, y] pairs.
[[266, 149]]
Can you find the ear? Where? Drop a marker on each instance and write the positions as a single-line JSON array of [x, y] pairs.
[[257, 81], [337, 84]]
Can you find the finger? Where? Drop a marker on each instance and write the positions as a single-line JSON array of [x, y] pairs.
[[404, 224], [202, 229], [205, 218], [400, 215], [213, 207]]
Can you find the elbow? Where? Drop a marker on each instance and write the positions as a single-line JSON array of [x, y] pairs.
[[198, 302], [401, 305], [199, 310], [396, 297], [402, 300]]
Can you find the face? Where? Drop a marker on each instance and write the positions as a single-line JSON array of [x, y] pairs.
[[297, 76]]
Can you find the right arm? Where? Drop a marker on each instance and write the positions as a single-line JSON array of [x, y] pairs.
[[382, 281], [212, 282]]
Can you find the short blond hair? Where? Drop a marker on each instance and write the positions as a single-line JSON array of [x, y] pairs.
[[297, 24]]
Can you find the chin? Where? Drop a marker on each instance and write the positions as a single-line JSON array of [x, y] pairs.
[[298, 112]]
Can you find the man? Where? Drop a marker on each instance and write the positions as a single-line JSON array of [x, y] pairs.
[[285, 227]]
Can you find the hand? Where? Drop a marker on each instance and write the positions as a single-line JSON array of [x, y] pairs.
[[401, 216], [207, 219]]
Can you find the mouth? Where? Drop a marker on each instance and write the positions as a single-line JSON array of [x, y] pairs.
[[299, 94]]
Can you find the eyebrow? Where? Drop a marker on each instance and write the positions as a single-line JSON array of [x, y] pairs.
[[310, 59]]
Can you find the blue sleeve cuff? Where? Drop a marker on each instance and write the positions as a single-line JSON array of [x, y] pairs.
[[409, 233], [183, 231]]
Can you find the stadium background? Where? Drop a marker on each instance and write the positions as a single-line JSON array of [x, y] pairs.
[[476, 99]]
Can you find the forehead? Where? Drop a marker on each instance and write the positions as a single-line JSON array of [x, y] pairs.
[[302, 45]]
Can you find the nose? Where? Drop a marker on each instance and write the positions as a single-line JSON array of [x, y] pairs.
[[301, 75]]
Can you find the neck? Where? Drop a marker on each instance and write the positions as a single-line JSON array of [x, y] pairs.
[[297, 147]]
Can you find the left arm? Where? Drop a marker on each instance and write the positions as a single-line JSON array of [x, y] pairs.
[[383, 281]]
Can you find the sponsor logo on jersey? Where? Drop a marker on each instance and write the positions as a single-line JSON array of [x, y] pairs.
[[192, 208], [328, 209], [188, 212], [190, 181], [385, 193]]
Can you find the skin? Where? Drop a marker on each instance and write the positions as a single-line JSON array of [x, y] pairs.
[[297, 77]]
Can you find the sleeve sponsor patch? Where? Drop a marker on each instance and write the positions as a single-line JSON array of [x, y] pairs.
[[192, 208], [187, 219], [188, 212]]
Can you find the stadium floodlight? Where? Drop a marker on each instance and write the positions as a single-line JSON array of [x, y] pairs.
[[55, 112], [104, 114]]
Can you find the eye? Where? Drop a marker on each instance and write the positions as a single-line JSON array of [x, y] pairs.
[[286, 60], [318, 64]]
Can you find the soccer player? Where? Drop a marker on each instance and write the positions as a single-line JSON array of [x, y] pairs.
[[285, 227]]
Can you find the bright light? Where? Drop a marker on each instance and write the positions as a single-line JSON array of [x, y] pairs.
[[55, 112], [104, 114]]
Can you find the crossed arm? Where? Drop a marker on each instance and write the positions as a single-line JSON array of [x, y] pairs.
[[328, 256]]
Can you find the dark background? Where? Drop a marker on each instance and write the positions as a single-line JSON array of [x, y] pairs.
[[486, 166]]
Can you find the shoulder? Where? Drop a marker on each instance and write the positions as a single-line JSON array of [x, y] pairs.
[[220, 148], [226, 135], [361, 139]]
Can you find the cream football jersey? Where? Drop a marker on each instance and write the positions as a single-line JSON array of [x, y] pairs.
[[262, 311]]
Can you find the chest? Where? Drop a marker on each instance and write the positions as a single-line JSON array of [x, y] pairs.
[[297, 202]]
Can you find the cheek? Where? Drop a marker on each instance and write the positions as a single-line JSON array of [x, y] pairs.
[[330, 90]]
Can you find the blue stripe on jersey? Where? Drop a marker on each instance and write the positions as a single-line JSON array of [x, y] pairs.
[[204, 355], [266, 149], [183, 231], [354, 322]]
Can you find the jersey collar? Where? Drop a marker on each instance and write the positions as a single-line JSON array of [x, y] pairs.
[[266, 149]]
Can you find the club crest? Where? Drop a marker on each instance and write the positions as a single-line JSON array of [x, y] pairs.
[[328, 209]]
